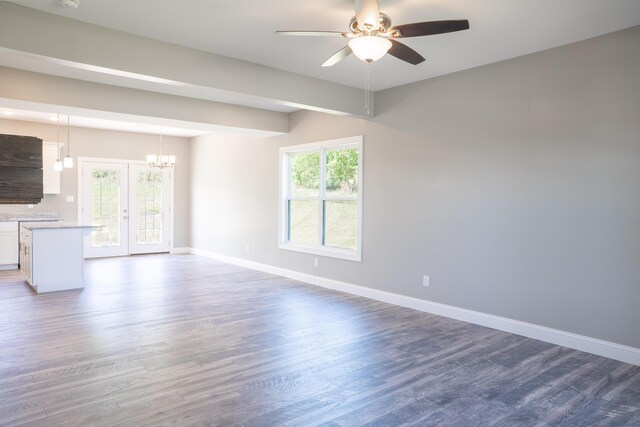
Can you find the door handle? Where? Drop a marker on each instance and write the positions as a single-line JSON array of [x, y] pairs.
[[125, 217]]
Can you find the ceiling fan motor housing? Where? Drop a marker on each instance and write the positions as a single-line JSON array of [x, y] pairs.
[[383, 26]]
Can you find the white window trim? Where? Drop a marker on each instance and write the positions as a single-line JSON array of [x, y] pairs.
[[347, 254]]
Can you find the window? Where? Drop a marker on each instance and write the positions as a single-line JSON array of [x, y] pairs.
[[321, 198]]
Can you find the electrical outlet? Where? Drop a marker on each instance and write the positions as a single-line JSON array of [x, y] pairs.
[[315, 262], [69, 199], [425, 281]]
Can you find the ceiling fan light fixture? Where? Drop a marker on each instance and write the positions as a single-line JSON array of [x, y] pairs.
[[369, 48]]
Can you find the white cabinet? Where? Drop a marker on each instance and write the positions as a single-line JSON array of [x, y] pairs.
[[50, 177], [8, 245]]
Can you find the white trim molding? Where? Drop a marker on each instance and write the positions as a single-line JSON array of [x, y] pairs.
[[181, 251], [595, 346]]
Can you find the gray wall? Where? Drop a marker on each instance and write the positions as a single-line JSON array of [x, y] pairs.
[[515, 186], [112, 145]]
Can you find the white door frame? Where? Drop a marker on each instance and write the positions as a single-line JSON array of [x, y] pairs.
[[82, 160]]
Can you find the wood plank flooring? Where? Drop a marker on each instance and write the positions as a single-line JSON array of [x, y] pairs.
[[183, 340]]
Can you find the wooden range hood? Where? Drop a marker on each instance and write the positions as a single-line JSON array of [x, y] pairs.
[[20, 169]]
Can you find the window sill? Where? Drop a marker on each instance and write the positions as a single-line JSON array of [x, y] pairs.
[[323, 251]]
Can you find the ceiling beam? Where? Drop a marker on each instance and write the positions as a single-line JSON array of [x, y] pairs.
[[80, 96], [90, 52]]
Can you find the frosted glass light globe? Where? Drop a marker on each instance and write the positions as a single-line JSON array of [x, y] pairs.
[[369, 48]]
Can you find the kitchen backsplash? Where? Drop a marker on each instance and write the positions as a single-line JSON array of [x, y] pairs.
[[19, 216], [50, 205]]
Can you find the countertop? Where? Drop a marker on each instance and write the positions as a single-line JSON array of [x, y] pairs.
[[53, 225], [29, 216]]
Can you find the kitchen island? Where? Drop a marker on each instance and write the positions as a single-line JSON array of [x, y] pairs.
[[52, 255]]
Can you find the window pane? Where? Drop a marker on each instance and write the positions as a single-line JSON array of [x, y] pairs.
[[149, 207], [304, 174], [105, 207], [342, 172], [303, 221], [341, 224]]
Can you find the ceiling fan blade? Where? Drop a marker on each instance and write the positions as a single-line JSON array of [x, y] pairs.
[[428, 28], [313, 33], [405, 53], [367, 14], [338, 56]]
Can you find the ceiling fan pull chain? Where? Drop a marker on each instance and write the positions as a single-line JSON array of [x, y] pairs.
[[367, 87]]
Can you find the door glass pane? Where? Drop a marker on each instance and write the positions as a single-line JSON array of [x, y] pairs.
[[341, 224], [149, 207], [105, 207], [303, 221], [342, 172], [304, 171]]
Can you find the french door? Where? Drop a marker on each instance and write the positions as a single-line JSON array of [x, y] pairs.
[[149, 209], [105, 199], [130, 203]]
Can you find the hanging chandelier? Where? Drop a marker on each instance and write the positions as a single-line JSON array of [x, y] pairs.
[[161, 161]]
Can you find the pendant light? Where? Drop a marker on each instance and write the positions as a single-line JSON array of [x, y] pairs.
[[68, 160], [161, 161], [57, 166]]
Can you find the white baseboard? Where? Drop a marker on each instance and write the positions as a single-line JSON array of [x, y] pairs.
[[554, 336], [181, 250]]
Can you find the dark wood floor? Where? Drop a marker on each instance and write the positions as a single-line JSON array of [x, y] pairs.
[[182, 340]]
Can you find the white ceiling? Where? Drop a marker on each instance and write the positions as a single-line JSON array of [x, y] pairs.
[[500, 29]]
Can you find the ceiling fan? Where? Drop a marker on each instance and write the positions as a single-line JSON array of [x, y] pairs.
[[372, 36]]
